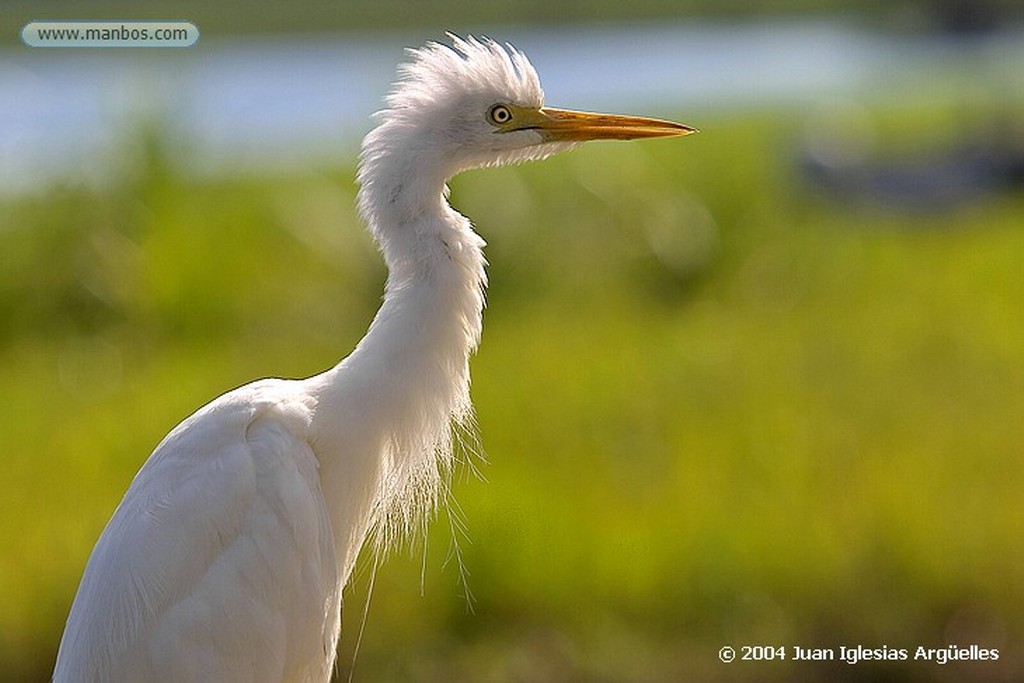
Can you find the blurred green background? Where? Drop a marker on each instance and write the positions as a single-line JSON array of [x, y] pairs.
[[730, 392]]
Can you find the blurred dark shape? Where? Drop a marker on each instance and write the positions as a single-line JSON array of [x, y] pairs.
[[983, 164], [967, 17]]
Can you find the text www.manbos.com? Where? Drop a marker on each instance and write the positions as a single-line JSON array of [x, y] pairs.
[[110, 34]]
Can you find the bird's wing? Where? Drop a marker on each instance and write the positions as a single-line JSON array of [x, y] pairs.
[[219, 563]]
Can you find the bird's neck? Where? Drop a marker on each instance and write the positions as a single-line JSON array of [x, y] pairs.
[[387, 410]]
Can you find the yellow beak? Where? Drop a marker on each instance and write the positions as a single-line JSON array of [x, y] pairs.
[[577, 126]]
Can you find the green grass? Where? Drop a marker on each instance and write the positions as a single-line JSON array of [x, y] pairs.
[[717, 408]]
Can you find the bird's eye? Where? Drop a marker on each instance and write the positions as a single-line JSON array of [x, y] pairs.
[[499, 114]]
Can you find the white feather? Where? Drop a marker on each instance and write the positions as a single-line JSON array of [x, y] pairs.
[[219, 563]]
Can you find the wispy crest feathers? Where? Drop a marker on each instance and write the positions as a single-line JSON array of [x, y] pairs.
[[438, 71]]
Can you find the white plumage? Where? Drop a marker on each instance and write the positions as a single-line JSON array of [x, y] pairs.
[[226, 559]]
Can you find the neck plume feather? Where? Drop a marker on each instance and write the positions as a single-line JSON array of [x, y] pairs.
[[408, 378], [433, 308]]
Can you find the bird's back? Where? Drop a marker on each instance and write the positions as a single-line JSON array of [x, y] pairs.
[[219, 563]]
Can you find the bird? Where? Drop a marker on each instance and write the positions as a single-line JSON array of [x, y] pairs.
[[227, 556]]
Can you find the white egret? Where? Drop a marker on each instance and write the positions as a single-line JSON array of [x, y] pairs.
[[226, 559]]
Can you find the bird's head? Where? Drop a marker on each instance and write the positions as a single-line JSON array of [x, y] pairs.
[[478, 103]]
